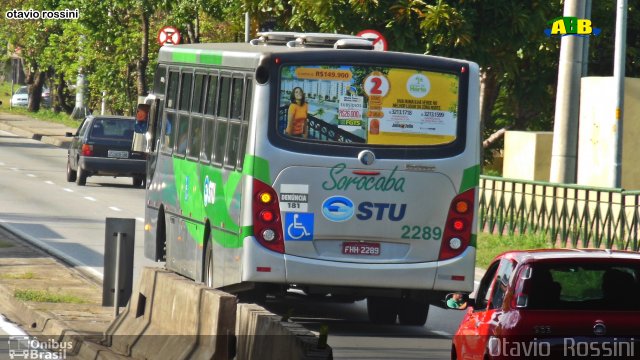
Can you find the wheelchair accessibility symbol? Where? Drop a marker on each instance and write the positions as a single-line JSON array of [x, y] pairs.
[[298, 226]]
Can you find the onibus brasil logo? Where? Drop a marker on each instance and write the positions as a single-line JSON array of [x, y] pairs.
[[571, 25]]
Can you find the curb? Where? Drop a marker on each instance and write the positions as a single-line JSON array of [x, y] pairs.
[[47, 139]]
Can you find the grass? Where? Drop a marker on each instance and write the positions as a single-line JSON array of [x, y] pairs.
[[22, 276], [4, 244], [491, 245], [43, 114], [46, 296]]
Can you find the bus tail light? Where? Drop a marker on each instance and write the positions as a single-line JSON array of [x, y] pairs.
[[267, 225], [457, 232], [87, 150]]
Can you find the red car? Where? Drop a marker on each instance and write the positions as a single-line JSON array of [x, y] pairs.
[[553, 304]]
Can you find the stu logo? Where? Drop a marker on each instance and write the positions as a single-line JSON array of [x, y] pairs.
[[367, 209]]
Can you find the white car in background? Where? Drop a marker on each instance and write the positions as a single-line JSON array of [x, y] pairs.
[[20, 97]]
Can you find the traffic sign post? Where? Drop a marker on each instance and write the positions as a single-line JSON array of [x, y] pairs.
[[168, 35], [379, 41]]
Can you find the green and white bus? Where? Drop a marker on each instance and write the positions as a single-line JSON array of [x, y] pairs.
[[338, 171]]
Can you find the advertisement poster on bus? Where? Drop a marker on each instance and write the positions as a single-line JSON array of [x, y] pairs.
[[365, 104]]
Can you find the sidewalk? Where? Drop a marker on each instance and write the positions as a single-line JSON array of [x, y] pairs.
[[46, 132], [29, 273]]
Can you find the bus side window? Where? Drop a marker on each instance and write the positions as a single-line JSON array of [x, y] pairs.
[[195, 136], [159, 80], [220, 141], [209, 131], [185, 92], [246, 116], [168, 129], [183, 132], [212, 94], [223, 99], [234, 144], [172, 95], [236, 99], [198, 92]]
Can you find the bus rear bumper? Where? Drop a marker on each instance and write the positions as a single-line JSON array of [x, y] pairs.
[[290, 270]]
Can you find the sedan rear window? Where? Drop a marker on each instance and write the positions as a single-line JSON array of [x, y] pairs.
[[112, 128], [585, 287]]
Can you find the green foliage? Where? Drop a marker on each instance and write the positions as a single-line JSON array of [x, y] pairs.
[[19, 276], [505, 37], [46, 296], [489, 245], [4, 244]]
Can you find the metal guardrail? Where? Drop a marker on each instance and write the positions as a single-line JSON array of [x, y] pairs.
[[568, 215]]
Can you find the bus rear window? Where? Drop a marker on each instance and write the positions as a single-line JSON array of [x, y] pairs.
[[368, 104]]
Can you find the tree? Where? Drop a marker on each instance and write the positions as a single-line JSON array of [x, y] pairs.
[[29, 39]]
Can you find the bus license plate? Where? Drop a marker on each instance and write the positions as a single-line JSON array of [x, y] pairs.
[[118, 154], [359, 248]]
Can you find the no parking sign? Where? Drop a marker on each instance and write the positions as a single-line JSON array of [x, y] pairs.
[[168, 35], [379, 42]]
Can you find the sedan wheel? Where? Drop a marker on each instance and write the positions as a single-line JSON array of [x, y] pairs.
[[138, 181], [71, 174], [81, 178]]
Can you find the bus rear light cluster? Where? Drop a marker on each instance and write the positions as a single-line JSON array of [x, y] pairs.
[[267, 225], [457, 233], [87, 150]]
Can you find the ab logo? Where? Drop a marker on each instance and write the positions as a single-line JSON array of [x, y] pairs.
[[571, 25]]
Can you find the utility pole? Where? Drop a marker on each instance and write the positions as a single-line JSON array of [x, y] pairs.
[[247, 27], [565, 129], [80, 110], [618, 77]]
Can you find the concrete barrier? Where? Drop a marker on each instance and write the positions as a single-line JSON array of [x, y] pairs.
[[170, 317], [174, 318], [263, 335]]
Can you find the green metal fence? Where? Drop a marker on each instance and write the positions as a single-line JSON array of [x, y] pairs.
[[568, 215]]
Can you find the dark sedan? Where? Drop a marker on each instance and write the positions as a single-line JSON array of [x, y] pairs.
[[102, 147]]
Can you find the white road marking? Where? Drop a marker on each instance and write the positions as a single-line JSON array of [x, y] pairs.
[[14, 169], [31, 175], [90, 198], [440, 332], [67, 190], [49, 182], [114, 208], [1, 163]]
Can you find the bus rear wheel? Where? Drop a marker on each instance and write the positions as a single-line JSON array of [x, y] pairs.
[[382, 310], [413, 312]]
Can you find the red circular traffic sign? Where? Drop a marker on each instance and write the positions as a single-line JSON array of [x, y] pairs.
[[168, 35], [379, 42]]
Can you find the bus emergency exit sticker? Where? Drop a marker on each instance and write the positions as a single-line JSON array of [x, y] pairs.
[[294, 198], [298, 226]]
